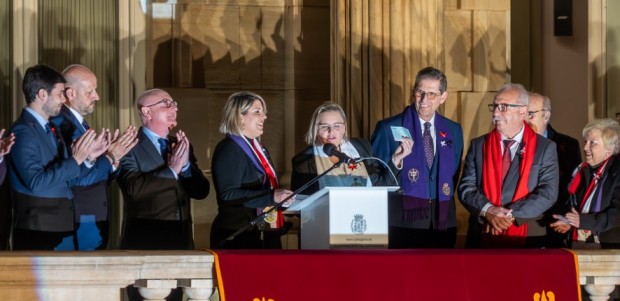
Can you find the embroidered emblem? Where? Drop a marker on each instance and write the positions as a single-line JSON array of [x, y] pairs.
[[271, 217], [445, 189], [413, 174], [358, 224]]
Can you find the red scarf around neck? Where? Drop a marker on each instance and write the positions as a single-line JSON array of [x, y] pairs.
[[492, 171]]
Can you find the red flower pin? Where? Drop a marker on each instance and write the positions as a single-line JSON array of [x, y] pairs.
[[443, 134]]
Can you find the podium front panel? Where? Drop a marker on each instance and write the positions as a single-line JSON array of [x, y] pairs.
[[358, 217]]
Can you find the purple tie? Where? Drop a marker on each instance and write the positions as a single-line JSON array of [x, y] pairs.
[[429, 152], [506, 158]]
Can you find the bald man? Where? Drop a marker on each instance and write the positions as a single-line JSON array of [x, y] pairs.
[[158, 177], [569, 156], [90, 190]]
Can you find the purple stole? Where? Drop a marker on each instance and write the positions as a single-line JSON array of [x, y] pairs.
[[415, 174], [250, 153]]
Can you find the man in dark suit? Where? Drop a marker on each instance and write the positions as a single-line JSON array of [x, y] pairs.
[[5, 148], [569, 157], [90, 197], [41, 169], [510, 177], [158, 177], [426, 216]]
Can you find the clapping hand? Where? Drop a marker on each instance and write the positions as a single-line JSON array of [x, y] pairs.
[[120, 146], [179, 157], [6, 143]]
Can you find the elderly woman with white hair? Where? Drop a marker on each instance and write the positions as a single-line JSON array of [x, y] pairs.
[[595, 190]]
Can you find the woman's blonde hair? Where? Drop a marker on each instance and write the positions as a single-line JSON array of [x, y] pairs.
[[238, 104], [313, 132]]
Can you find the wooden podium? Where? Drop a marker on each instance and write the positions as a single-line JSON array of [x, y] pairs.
[[344, 217]]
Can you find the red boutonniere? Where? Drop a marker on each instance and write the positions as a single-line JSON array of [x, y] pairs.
[[443, 134]]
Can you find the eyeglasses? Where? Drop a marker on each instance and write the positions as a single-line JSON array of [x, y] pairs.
[[168, 103], [503, 107], [430, 95], [334, 127], [530, 114]]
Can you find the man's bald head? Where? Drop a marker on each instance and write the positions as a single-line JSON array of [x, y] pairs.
[[81, 88]]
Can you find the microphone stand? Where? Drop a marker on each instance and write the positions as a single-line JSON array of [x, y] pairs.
[[277, 206]]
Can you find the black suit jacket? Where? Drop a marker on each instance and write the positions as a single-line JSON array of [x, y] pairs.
[[2, 170], [606, 221], [240, 188], [304, 168], [569, 157], [542, 184], [155, 198]]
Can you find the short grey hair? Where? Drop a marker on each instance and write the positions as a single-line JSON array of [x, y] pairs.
[[523, 97], [313, 130], [610, 131], [238, 104]]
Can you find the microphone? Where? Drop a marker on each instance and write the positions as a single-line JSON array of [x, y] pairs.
[[331, 150]]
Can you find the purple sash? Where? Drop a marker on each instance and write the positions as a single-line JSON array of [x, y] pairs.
[[415, 175], [250, 153]]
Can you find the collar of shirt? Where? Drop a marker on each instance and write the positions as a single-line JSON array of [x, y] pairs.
[[77, 115], [431, 129], [153, 137], [515, 146], [38, 117]]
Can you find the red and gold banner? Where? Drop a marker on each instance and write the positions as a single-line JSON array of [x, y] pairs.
[[282, 275]]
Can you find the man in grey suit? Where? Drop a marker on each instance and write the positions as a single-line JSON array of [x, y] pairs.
[[510, 177]]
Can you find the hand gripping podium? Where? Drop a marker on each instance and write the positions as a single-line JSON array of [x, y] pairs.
[[344, 217]]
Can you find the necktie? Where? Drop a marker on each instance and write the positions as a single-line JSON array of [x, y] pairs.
[[85, 124], [506, 158], [51, 135], [163, 148], [429, 152]]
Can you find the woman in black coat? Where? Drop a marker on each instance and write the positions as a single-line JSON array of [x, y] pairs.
[[328, 126], [594, 200], [244, 178]]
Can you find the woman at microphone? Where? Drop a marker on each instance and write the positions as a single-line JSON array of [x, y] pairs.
[[328, 126], [245, 179]]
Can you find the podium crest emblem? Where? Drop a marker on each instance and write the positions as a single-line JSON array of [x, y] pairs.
[[358, 224]]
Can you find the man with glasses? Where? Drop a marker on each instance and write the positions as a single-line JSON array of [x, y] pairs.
[[158, 177], [42, 167], [426, 216], [569, 155], [90, 197], [510, 177]]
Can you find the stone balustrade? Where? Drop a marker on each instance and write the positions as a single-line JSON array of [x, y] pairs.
[[94, 276]]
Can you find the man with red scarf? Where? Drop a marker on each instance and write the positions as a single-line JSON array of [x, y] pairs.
[[510, 177]]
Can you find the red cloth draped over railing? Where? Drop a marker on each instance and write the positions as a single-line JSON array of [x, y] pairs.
[[263, 275]]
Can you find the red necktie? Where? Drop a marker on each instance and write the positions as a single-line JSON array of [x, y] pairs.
[[506, 158]]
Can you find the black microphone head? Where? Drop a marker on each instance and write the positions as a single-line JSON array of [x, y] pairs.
[[329, 148]]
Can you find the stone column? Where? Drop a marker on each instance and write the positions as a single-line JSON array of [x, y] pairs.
[[155, 289], [197, 289], [599, 292]]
